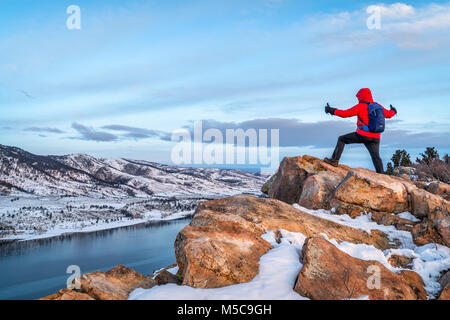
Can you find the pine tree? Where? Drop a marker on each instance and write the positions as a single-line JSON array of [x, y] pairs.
[[399, 158], [429, 155]]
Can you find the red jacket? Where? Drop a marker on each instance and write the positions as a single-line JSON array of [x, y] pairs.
[[361, 110]]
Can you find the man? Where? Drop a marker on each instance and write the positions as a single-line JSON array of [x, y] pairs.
[[370, 139]]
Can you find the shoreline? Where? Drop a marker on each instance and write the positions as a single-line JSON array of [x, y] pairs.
[[106, 227], [117, 203]]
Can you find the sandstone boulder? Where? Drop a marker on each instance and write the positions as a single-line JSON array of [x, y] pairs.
[[389, 219], [424, 233], [445, 294], [68, 294], [425, 204], [223, 244], [165, 277], [287, 183], [330, 274], [364, 190], [218, 254], [115, 284], [317, 189]]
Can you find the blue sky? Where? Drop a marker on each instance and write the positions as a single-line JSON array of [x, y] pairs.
[[137, 70]]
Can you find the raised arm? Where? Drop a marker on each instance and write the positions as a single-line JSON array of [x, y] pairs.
[[347, 113], [389, 113]]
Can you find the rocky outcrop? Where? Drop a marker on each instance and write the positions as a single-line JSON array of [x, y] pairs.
[[313, 184], [223, 244], [330, 274], [115, 284], [226, 238], [287, 183], [363, 190]]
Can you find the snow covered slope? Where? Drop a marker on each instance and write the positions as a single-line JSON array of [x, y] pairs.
[[83, 175]]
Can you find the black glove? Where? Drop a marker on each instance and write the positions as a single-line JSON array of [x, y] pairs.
[[329, 109], [395, 110]]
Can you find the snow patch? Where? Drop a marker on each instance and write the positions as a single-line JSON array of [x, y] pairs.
[[408, 216], [173, 270], [364, 223], [429, 260], [278, 270]]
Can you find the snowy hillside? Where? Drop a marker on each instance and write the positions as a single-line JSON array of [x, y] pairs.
[[44, 196], [34, 217], [83, 175]]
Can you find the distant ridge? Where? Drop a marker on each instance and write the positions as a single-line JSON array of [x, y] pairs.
[[80, 174]]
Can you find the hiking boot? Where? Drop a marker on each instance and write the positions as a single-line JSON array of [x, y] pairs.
[[333, 162]]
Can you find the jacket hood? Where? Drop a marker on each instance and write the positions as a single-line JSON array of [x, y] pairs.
[[364, 95]]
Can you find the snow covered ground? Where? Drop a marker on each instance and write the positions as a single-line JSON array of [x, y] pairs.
[[280, 266]]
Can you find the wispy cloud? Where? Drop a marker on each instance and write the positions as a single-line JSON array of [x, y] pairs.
[[228, 61], [124, 132], [89, 133], [139, 133], [323, 134], [44, 129], [26, 94], [293, 133], [406, 26]]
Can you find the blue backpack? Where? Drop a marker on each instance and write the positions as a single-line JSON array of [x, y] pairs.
[[376, 119]]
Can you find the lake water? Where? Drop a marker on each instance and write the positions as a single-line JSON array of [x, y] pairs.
[[34, 269]]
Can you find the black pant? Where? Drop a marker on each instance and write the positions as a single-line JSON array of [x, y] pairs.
[[372, 144]]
